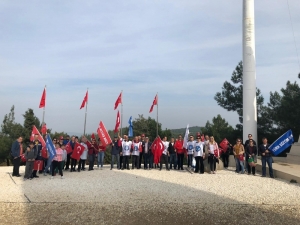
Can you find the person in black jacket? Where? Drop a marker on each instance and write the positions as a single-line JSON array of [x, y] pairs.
[[142, 140], [172, 152], [266, 157], [225, 155], [147, 153], [38, 148], [115, 152], [16, 152], [249, 139], [251, 151]]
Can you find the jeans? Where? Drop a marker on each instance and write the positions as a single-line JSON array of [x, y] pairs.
[[16, 163], [48, 165], [91, 161], [269, 160], [113, 158], [146, 160], [225, 159], [190, 160], [135, 161], [165, 158], [180, 160], [81, 164], [239, 164], [140, 159], [125, 162], [100, 159], [199, 163], [173, 160], [212, 162]]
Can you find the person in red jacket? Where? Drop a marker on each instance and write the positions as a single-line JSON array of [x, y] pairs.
[[92, 152], [180, 152]]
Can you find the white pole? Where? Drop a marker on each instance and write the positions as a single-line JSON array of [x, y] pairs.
[[121, 112], [249, 72]]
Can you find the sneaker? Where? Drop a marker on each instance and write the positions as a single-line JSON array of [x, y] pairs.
[[62, 177]]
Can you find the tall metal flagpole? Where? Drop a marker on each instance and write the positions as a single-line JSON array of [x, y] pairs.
[[249, 72], [44, 109], [157, 115], [121, 112], [85, 112]]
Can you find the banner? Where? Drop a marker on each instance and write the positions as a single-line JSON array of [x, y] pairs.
[[78, 150], [34, 132], [103, 134], [224, 145], [282, 143], [68, 148], [130, 130], [38, 165], [50, 147], [186, 137], [157, 148]]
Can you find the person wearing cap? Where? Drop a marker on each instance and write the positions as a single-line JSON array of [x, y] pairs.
[[30, 156], [115, 152], [147, 151], [142, 141]]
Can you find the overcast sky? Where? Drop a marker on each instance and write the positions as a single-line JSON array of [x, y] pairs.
[[184, 50]]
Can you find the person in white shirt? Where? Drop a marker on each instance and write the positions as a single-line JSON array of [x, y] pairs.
[[126, 147], [136, 148], [84, 154], [212, 147], [199, 154], [165, 154], [190, 150]]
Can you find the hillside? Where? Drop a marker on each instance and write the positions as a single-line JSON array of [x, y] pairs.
[[193, 130]]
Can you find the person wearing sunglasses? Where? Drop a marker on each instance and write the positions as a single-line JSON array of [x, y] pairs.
[[238, 151]]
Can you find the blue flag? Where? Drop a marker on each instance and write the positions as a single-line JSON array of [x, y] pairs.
[[282, 143], [50, 147], [130, 131]]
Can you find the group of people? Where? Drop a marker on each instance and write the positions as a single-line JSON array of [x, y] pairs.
[[139, 150]]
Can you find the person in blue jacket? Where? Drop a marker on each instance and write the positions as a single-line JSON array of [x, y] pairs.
[[16, 152]]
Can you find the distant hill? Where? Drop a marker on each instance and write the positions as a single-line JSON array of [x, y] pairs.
[[193, 131]]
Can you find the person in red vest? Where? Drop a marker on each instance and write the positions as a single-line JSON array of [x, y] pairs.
[[180, 152]]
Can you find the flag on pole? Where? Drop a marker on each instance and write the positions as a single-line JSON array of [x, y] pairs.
[[34, 132], [157, 148], [117, 123], [43, 99], [85, 100], [50, 147], [68, 148], [44, 129], [78, 150], [155, 101], [118, 101], [186, 137], [224, 145], [130, 130], [103, 134], [282, 143]]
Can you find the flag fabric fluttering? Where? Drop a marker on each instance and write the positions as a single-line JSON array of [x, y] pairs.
[[282, 143], [78, 150], [44, 129], [157, 148], [117, 123], [43, 99], [103, 134], [85, 100], [130, 130], [50, 147], [155, 102], [68, 148], [186, 137], [224, 145], [34, 132], [118, 101]]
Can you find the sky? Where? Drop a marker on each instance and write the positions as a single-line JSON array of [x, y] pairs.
[[182, 50]]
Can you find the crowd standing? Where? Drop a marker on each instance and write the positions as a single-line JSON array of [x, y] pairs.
[[125, 152]]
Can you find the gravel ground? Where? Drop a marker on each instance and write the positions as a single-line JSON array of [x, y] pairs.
[[147, 197]]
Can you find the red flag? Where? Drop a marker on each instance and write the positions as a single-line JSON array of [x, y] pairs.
[[88, 144], [44, 129], [155, 101], [68, 148], [103, 134], [44, 153], [117, 123], [43, 99], [157, 148], [118, 101], [38, 165], [85, 100], [34, 132], [93, 136], [224, 144], [78, 150]]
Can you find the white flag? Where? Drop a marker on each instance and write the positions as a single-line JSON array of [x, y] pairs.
[[186, 137]]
